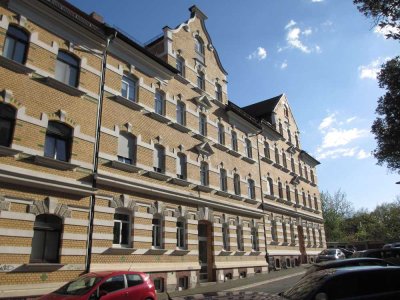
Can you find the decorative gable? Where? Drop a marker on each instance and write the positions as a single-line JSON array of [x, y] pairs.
[[203, 101], [205, 149]]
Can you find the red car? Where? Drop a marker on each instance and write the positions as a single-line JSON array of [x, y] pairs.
[[115, 285]]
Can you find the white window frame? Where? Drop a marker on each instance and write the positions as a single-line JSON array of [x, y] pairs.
[[221, 134], [130, 83], [203, 124], [122, 222], [181, 234]]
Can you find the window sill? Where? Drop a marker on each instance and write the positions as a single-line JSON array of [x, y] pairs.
[[236, 197], [250, 201], [221, 147], [267, 160], [218, 103], [181, 79], [308, 209], [270, 197], [234, 153], [203, 188], [317, 211], [239, 253], [198, 90], [7, 151], [157, 175], [119, 250], [286, 170], [223, 193], [180, 127], [14, 66], [125, 167], [126, 102], [313, 183], [158, 117], [156, 251], [201, 137], [276, 165], [38, 267], [54, 163], [274, 243], [248, 159], [255, 252], [225, 252], [297, 205], [180, 252], [54, 83], [181, 182]]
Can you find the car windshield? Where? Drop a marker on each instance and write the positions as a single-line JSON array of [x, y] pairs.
[[79, 286], [328, 252], [307, 284]]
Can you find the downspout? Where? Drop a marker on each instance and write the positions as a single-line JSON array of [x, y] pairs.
[[262, 197], [89, 241]]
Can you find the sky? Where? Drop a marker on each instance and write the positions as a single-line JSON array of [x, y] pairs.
[[323, 54]]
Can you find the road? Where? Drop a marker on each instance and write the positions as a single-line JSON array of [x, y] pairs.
[[274, 286]]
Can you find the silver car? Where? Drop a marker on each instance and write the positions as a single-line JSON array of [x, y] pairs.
[[330, 254]]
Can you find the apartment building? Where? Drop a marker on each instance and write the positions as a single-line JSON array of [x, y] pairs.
[[116, 155]]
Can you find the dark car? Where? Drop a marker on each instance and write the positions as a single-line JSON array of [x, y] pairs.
[[106, 286], [351, 262], [330, 254], [392, 245], [347, 252], [371, 282], [391, 255]]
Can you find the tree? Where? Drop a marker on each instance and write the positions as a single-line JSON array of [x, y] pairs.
[[335, 209], [386, 127]]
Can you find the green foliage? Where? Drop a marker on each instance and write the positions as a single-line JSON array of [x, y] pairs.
[[386, 126]]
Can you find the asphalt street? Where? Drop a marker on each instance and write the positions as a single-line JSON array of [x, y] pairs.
[[274, 287]]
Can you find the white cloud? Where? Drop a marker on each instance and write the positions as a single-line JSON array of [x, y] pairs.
[[284, 65], [316, 1], [341, 137], [371, 70], [362, 154], [337, 140], [308, 31], [318, 49], [259, 54], [290, 24], [293, 40], [386, 30], [327, 122]]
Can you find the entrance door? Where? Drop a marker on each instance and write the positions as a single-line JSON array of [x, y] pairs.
[[205, 253], [301, 244]]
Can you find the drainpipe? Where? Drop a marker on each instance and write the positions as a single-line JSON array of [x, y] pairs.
[[262, 195], [89, 242]]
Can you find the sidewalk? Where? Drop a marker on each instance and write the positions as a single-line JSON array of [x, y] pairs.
[[238, 284]]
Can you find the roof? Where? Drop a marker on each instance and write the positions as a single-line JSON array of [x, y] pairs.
[[263, 109]]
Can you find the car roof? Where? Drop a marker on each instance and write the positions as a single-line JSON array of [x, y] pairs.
[[362, 269], [108, 273], [348, 260]]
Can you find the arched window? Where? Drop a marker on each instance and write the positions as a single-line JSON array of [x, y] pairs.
[[288, 197], [204, 174], [236, 184], [199, 48], [274, 233], [122, 228], [159, 103], [312, 176], [239, 234], [284, 159], [58, 141], [180, 234], [315, 203], [203, 124], [304, 198], [309, 201], [47, 231], [270, 186], [180, 65], [223, 180], [67, 68], [280, 128], [276, 155], [7, 124], [254, 239], [289, 135], [157, 232], [221, 134], [305, 172], [249, 149], [267, 152], [126, 148], [251, 189], [280, 190], [16, 44], [181, 167], [296, 196], [181, 113], [129, 88], [201, 80], [234, 141], [225, 237], [293, 165], [218, 92], [297, 141], [159, 159]]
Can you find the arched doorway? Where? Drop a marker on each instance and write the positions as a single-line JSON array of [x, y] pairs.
[[205, 251]]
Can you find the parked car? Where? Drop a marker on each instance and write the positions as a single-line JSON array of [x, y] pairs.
[[351, 262], [115, 285], [330, 254], [391, 255], [392, 245], [347, 252], [370, 282]]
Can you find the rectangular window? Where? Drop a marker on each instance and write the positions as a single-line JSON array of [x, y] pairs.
[[218, 93], [180, 235], [121, 231], [234, 141], [204, 175], [159, 285], [249, 151], [159, 103], [221, 134], [156, 233], [128, 89], [223, 181], [181, 114], [183, 283], [203, 125]]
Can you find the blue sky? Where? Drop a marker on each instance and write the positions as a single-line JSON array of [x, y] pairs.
[[323, 54]]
